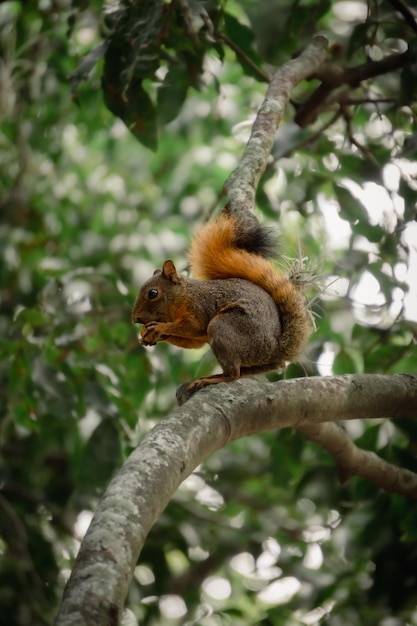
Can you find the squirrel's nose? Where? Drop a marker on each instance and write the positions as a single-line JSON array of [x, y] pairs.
[[136, 319]]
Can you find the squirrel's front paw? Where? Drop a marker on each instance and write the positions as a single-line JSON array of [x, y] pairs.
[[149, 334], [145, 342]]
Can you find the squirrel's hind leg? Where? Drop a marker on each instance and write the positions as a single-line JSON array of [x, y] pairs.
[[240, 344], [210, 380], [260, 369], [222, 343]]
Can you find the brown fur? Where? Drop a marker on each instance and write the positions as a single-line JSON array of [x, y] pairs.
[[252, 315]]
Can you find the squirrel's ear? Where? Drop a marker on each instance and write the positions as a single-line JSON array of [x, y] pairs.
[[169, 271]]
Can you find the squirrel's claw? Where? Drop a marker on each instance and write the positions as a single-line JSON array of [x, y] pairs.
[[145, 342], [149, 334]]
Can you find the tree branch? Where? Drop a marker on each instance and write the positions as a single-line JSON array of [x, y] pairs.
[[208, 421], [333, 77], [243, 181], [242, 56], [353, 461], [405, 12]]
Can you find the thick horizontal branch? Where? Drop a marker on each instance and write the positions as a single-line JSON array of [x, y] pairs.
[[172, 450], [336, 76]]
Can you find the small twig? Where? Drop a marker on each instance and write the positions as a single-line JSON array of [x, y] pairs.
[[242, 56], [188, 19], [365, 100], [336, 76], [310, 139], [363, 149], [406, 13]]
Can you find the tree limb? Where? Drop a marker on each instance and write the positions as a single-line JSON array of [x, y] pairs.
[[406, 13], [220, 36], [353, 461], [208, 421], [333, 77], [243, 181]]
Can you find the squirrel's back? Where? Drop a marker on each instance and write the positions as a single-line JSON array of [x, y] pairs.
[[230, 247]]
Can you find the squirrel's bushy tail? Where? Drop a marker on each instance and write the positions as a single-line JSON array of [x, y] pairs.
[[233, 248]]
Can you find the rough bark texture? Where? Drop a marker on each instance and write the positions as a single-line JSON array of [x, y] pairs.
[[208, 421]]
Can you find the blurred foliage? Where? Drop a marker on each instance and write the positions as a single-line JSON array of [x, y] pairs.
[[263, 533]]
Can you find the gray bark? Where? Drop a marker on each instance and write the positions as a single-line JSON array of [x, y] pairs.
[[210, 420]]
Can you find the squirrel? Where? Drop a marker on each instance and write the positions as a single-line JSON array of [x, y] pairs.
[[254, 316]]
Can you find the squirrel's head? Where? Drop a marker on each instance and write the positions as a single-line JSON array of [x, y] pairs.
[[154, 301]]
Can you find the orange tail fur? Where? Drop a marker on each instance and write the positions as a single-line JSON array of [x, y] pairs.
[[220, 250]]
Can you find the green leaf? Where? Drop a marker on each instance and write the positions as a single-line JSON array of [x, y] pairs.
[[101, 457], [359, 38], [135, 108], [408, 92], [351, 209], [348, 361], [409, 526], [290, 443], [172, 93], [87, 64], [242, 36], [373, 233], [409, 194]]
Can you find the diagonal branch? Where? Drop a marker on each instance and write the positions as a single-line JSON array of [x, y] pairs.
[[220, 36], [405, 12], [243, 181]]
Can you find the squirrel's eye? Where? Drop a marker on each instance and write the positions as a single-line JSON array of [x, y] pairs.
[[152, 294]]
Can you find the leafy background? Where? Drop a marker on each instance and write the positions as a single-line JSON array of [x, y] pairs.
[[263, 533]]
